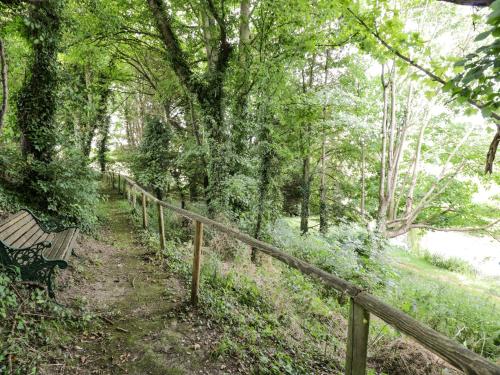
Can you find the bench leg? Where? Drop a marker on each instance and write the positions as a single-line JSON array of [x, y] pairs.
[[44, 272], [33, 266]]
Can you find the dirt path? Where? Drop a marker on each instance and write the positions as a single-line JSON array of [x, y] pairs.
[[147, 327]]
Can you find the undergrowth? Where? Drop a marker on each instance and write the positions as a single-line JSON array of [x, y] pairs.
[[449, 263], [274, 320], [472, 320], [32, 327]]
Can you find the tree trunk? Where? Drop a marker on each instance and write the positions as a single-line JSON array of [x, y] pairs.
[[323, 208], [323, 205], [383, 204], [390, 176], [37, 98], [264, 183], [103, 124], [103, 143], [306, 193], [209, 93], [5, 86], [240, 133], [414, 173], [363, 182], [492, 151]]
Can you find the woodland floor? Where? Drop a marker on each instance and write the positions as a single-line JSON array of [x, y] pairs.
[[147, 325], [144, 323]]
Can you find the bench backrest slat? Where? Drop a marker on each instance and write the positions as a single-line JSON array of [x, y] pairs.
[[24, 240], [13, 232], [37, 237], [12, 220]]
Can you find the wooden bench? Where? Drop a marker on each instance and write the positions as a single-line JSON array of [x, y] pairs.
[[26, 243]]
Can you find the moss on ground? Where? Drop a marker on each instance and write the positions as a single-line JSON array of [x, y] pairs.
[[147, 327]]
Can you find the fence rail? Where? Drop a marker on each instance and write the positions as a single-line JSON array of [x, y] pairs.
[[362, 304]]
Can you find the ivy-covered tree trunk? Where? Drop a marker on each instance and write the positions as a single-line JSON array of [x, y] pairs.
[[218, 149], [36, 104], [209, 93], [266, 156], [103, 143], [240, 128], [5, 86], [103, 123]]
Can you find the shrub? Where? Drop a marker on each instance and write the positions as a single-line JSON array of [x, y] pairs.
[[69, 190], [451, 264], [347, 251], [30, 324], [9, 200], [470, 319]]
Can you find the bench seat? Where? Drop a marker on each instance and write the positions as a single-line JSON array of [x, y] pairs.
[[26, 243]]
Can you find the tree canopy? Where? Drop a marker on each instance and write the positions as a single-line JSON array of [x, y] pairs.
[[368, 111]]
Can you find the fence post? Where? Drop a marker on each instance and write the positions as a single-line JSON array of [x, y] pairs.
[[195, 284], [144, 212], [134, 198], [119, 182], [161, 226], [357, 340], [128, 193], [113, 180]]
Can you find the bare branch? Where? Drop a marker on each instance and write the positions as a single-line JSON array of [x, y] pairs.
[[456, 229]]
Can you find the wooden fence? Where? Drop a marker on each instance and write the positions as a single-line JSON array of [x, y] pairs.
[[362, 304]]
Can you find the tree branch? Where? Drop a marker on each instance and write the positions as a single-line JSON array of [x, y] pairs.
[[413, 63], [457, 229], [176, 56], [490, 157], [474, 3], [225, 47]]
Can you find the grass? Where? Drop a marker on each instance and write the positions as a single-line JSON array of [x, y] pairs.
[[462, 306], [273, 320], [451, 264], [446, 294], [409, 262]]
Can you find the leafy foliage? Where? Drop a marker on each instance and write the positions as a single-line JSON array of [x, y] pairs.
[[480, 77], [29, 322], [348, 251], [155, 158]]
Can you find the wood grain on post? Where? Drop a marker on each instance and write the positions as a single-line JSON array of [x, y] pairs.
[[134, 198], [357, 340], [195, 284], [161, 226], [144, 212]]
